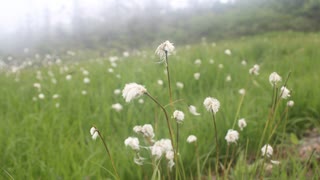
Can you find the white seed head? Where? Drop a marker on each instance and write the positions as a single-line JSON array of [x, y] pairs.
[[242, 123], [117, 91], [290, 103], [180, 85], [178, 116], [285, 93], [211, 104], [160, 82], [197, 62], [86, 80], [132, 142], [196, 76], [132, 91], [94, 133], [232, 136], [254, 70], [242, 91], [117, 107], [274, 78], [267, 150], [227, 52], [193, 110], [165, 47], [41, 96], [191, 139]]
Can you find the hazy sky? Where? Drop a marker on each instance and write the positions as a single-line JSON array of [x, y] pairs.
[[15, 14]]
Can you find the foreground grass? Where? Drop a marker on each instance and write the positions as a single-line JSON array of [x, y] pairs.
[[41, 141]]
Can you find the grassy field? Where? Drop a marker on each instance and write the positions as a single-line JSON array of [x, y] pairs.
[[49, 138]]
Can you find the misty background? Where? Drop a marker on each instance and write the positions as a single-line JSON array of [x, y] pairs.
[[55, 26]]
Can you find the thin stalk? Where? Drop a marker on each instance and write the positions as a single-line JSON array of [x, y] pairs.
[[168, 76], [225, 160], [109, 154], [231, 160], [198, 161], [217, 146], [177, 139]]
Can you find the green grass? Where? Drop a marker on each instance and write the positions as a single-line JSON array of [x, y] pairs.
[[40, 141]]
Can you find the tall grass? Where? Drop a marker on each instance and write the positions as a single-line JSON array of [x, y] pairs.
[[40, 141]]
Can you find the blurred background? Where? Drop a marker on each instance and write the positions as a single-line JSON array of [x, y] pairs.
[[53, 26]]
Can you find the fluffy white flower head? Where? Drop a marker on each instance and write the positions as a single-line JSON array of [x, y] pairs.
[[232, 136], [274, 78], [193, 110], [164, 48], [161, 147], [132, 142], [267, 150], [212, 104], [94, 133], [196, 76], [285, 93], [242, 91], [242, 123], [254, 70], [117, 107], [146, 130], [290, 103], [132, 91], [227, 52], [191, 139], [180, 85], [86, 80], [178, 116]]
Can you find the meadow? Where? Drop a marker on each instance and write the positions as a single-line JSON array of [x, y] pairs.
[[46, 111]]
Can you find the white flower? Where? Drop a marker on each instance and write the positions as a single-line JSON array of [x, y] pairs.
[[242, 91], [255, 69], [228, 78], [146, 130], [197, 62], [86, 80], [41, 96], [125, 54], [110, 70], [53, 81], [132, 91], [267, 150], [275, 162], [94, 133], [85, 72], [196, 76], [161, 147], [180, 85], [220, 66], [274, 78], [141, 101], [212, 104], [117, 107], [227, 52], [244, 62], [170, 155], [55, 96], [117, 91], [57, 105], [37, 85], [193, 110], [211, 61], [232, 136], [160, 82], [284, 92], [170, 164], [138, 160], [178, 115], [68, 77], [290, 103], [84, 92], [242, 123], [132, 142], [165, 47], [191, 139]]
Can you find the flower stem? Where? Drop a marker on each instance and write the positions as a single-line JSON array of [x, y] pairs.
[[217, 146], [109, 154], [198, 161], [168, 76]]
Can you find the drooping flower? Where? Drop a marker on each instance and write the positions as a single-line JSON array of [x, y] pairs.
[[274, 78], [164, 48], [94, 133], [232, 136], [193, 110], [178, 116], [290, 103], [242, 123], [132, 142], [191, 139], [267, 150], [254, 70], [284, 92], [211, 104], [117, 107], [132, 91]]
